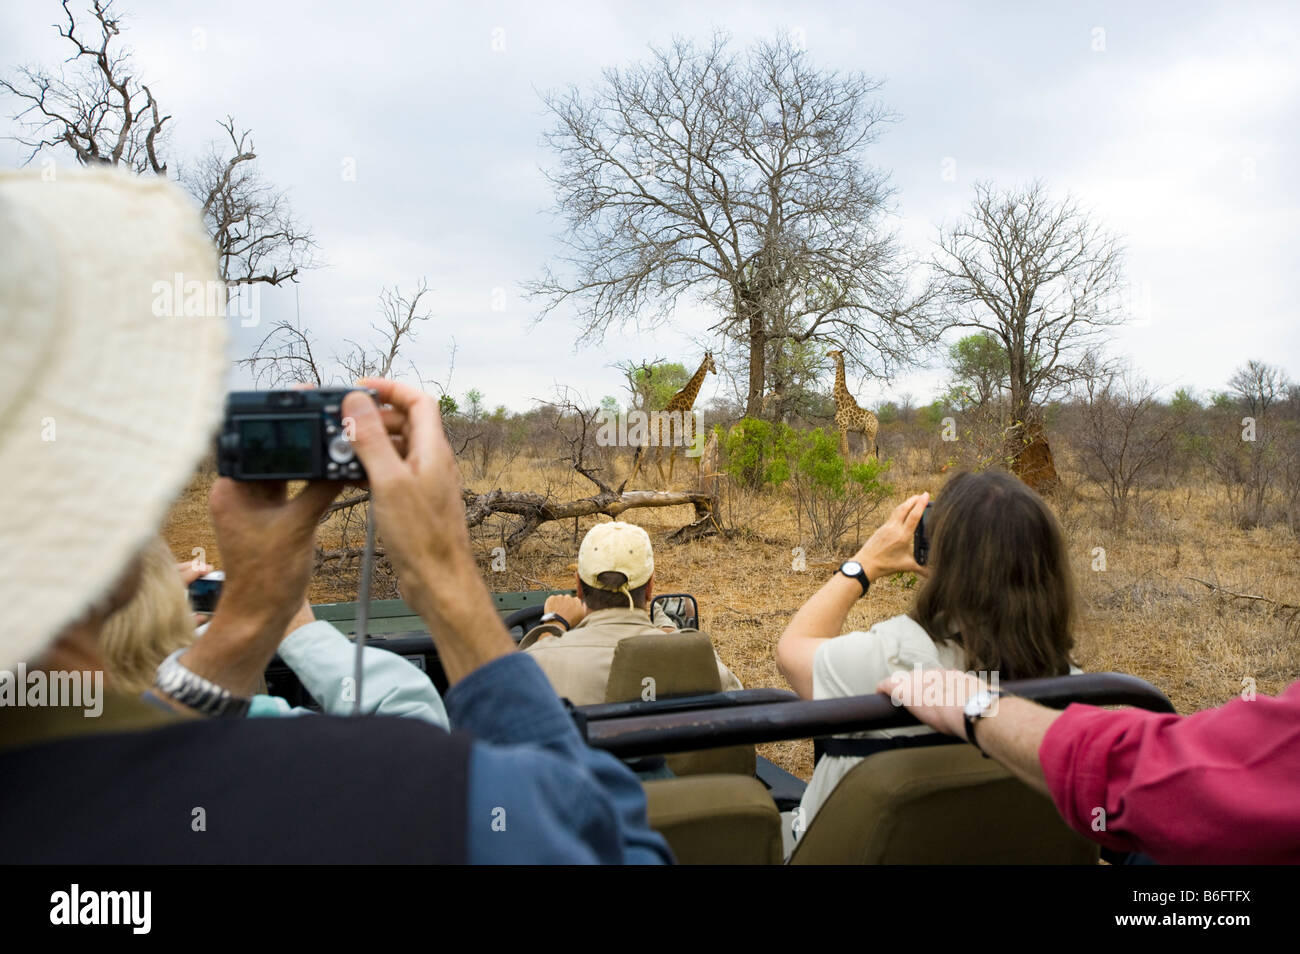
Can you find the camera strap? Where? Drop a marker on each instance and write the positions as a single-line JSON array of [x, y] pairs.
[[363, 607]]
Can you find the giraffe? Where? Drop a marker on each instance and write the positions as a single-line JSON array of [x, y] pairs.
[[848, 416], [771, 398], [676, 412]]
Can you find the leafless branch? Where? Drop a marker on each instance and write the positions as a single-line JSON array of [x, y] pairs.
[[94, 106], [1039, 276], [738, 181]]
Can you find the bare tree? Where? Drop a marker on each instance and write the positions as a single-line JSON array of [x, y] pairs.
[[738, 181], [1257, 460], [1259, 386], [288, 354], [1040, 277], [99, 109], [400, 315], [257, 238], [285, 355], [1125, 437]]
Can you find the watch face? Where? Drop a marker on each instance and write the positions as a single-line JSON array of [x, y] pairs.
[[851, 568], [978, 703]]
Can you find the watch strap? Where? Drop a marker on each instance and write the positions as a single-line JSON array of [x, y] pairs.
[[549, 619], [972, 720], [970, 732], [195, 692], [860, 576]]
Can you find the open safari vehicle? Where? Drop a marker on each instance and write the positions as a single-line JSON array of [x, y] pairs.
[[910, 803]]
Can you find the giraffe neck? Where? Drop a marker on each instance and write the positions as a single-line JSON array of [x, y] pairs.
[[684, 400], [841, 388]]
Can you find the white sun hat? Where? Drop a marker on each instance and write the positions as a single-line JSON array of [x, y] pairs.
[[113, 344]]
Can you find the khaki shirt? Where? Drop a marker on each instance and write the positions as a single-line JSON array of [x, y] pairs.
[[577, 662]]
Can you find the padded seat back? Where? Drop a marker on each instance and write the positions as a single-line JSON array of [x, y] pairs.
[[943, 804], [660, 665], [716, 820]]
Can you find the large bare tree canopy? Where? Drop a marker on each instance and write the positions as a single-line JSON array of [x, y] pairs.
[[250, 221], [739, 180], [96, 106], [93, 105], [1041, 278]]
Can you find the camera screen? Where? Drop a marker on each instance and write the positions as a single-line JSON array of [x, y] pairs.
[[281, 445], [204, 595]]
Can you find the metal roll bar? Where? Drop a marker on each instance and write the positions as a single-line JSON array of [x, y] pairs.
[[657, 728]]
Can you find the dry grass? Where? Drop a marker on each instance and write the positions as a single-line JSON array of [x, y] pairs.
[[1140, 615]]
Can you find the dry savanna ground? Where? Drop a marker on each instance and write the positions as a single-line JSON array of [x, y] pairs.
[[1141, 614]]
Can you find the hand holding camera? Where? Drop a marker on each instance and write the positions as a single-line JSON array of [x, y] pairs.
[[288, 435], [419, 511], [893, 548], [267, 540]]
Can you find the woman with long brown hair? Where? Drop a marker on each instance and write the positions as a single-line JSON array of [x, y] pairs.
[[998, 598]]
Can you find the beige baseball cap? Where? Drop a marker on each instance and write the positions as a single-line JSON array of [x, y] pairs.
[[616, 547]]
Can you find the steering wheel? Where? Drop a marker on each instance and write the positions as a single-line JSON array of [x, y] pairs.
[[525, 619]]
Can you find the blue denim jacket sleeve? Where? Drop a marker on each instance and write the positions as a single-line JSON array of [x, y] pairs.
[[537, 792]]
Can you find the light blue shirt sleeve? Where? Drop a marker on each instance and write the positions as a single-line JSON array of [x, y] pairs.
[[270, 707], [324, 660], [537, 792]]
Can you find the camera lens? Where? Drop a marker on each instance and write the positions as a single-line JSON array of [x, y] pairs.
[[340, 449]]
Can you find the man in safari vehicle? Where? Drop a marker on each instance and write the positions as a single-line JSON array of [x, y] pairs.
[[575, 641]]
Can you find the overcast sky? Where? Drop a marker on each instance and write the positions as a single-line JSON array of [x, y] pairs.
[[1176, 123]]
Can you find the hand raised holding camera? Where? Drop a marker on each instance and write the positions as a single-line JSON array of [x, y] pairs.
[[267, 541], [890, 549], [418, 510]]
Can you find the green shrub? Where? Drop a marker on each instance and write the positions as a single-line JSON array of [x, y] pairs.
[[932, 414], [832, 494], [757, 454]]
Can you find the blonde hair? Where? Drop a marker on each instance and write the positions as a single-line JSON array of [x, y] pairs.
[[152, 625]]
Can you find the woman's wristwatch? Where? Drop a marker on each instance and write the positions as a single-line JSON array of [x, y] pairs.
[[195, 692], [852, 568]]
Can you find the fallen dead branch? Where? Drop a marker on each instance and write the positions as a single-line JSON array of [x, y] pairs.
[[705, 526], [1290, 610], [1243, 596], [535, 509], [326, 556]]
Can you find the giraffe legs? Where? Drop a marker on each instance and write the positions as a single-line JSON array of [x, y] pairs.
[[844, 442], [872, 446]]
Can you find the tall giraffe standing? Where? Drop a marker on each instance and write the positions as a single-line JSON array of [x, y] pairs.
[[848, 416], [678, 409], [773, 399]]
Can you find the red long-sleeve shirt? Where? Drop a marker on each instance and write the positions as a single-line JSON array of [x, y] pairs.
[[1220, 786]]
